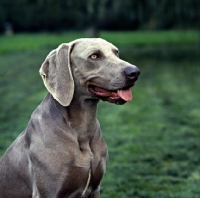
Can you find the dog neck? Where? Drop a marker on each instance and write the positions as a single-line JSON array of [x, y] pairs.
[[82, 111], [80, 115]]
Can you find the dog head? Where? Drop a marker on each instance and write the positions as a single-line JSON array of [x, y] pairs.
[[92, 68]]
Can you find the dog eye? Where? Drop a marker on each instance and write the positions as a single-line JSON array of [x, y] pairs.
[[117, 53], [94, 56]]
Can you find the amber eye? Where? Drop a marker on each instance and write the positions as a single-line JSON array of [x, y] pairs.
[[93, 56]]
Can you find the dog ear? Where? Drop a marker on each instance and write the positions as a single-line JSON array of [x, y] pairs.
[[57, 76]]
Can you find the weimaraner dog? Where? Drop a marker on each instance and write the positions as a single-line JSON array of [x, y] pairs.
[[61, 153]]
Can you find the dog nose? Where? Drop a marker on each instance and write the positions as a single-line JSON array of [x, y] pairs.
[[132, 72]]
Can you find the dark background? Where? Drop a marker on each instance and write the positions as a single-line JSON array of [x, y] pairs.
[[57, 15]]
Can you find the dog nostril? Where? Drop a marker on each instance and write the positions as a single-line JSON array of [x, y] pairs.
[[132, 72]]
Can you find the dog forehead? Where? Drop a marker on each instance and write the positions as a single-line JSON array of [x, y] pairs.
[[84, 47]]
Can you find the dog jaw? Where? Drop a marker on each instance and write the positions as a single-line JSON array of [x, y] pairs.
[[120, 96]]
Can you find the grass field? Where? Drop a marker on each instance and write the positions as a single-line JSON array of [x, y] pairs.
[[153, 141], [34, 41]]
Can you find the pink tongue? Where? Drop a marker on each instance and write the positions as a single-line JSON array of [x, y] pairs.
[[125, 94]]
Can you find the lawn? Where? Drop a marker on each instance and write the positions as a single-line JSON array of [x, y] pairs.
[[21, 42], [154, 140]]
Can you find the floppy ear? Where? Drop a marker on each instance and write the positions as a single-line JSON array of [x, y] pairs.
[[57, 76]]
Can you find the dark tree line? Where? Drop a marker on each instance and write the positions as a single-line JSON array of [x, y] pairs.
[[54, 15]]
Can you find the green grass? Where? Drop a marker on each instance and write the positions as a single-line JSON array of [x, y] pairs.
[[154, 140], [154, 38], [34, 41]]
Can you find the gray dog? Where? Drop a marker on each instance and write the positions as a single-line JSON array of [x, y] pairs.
[[61, 153]]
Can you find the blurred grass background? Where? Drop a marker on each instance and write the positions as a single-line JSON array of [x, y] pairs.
[[153, 141]]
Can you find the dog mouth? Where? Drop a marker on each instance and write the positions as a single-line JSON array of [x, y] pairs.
[[119, 96]]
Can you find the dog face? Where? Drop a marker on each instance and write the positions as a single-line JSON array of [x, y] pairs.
[[91, 68], [99, 71]]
